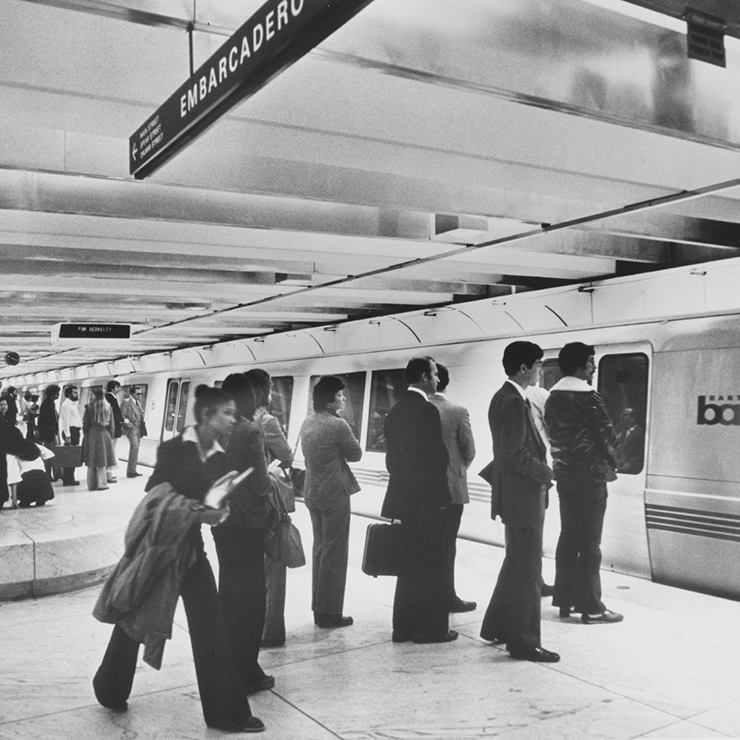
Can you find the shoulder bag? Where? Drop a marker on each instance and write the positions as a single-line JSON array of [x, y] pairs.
[[283, 541]]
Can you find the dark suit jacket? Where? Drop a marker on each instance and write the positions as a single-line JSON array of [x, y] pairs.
[[48, 423], [117, 416], [416, 458], [248, 502], [519, 474]]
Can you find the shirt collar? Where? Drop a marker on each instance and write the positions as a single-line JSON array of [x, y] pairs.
[[419, 391], [518, 387], [190, 435]]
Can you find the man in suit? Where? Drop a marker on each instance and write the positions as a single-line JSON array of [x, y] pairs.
[[458, 438], [111, 395], [417, 494], [133, 415], [520, 479]]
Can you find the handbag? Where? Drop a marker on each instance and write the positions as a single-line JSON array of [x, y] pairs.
[[283, 541], [385, 550], [284, 544], [283, 488]]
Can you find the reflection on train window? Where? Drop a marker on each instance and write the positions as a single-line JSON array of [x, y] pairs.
[[354, 394], [170, 410], [282, 398], [551, 373], [387, 388], [623, 382]]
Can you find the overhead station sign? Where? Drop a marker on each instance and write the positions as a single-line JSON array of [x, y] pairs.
[[88, 333], [277, 35]]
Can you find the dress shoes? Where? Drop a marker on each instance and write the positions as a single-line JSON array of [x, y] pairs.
[[536, 655], [135, 475], [546, 590], [272, 643], [265, 684], [458, 606], [606, 617], [448, 636], [123, 707], [71, 483], [332, 620], [399, 636], [565, 612], [250, 724]]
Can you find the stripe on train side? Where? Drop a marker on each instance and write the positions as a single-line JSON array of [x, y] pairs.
[[692, 521]]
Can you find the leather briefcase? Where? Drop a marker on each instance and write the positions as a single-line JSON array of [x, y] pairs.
[[66, 456], [384, 550]]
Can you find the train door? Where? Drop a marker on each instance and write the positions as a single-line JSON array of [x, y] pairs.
[[176, 405], [623, 381]]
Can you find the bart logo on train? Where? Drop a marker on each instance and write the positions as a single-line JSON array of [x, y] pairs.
[[727, 414]]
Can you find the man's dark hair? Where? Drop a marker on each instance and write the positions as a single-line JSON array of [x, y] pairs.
[[324, 391], [52, 390], [574, 356], [444, 377], [239, 387], [68, 391], [112, 386], [520, 353], [417, 367]]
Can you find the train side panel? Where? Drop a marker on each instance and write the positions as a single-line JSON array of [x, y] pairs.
[[693, 490]]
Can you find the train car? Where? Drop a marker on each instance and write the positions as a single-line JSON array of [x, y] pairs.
[[668, 358]]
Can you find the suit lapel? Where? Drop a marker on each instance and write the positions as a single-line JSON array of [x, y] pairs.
[[530, 422]]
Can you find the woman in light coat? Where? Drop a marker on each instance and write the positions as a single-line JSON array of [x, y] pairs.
[[328, 444], [97, 443]]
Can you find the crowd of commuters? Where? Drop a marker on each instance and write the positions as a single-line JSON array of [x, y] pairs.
[[90, 433], [563, 436]]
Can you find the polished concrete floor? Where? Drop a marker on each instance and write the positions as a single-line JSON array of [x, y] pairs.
[[670, 670]]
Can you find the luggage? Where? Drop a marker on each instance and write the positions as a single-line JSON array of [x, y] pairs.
[[384, 550], [66, 456]]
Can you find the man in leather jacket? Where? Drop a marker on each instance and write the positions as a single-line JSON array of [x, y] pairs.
[[584, 459]]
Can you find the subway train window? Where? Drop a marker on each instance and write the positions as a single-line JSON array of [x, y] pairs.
[[386, 389], [171, 408], [282, 398], [550, 373], [182, 406], [354, 394], [623, 382]]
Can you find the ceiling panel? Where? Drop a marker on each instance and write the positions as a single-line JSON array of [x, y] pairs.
[[429, 152]]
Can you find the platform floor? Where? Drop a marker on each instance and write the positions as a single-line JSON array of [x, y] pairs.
[[670, 670]]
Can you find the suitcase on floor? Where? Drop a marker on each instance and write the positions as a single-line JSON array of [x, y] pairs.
[[66, 456], [384, 550]]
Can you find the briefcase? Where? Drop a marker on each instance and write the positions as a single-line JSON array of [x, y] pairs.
[[384, 550], [66, 456]]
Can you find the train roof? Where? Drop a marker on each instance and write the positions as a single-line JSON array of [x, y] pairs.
[[697, 293]]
